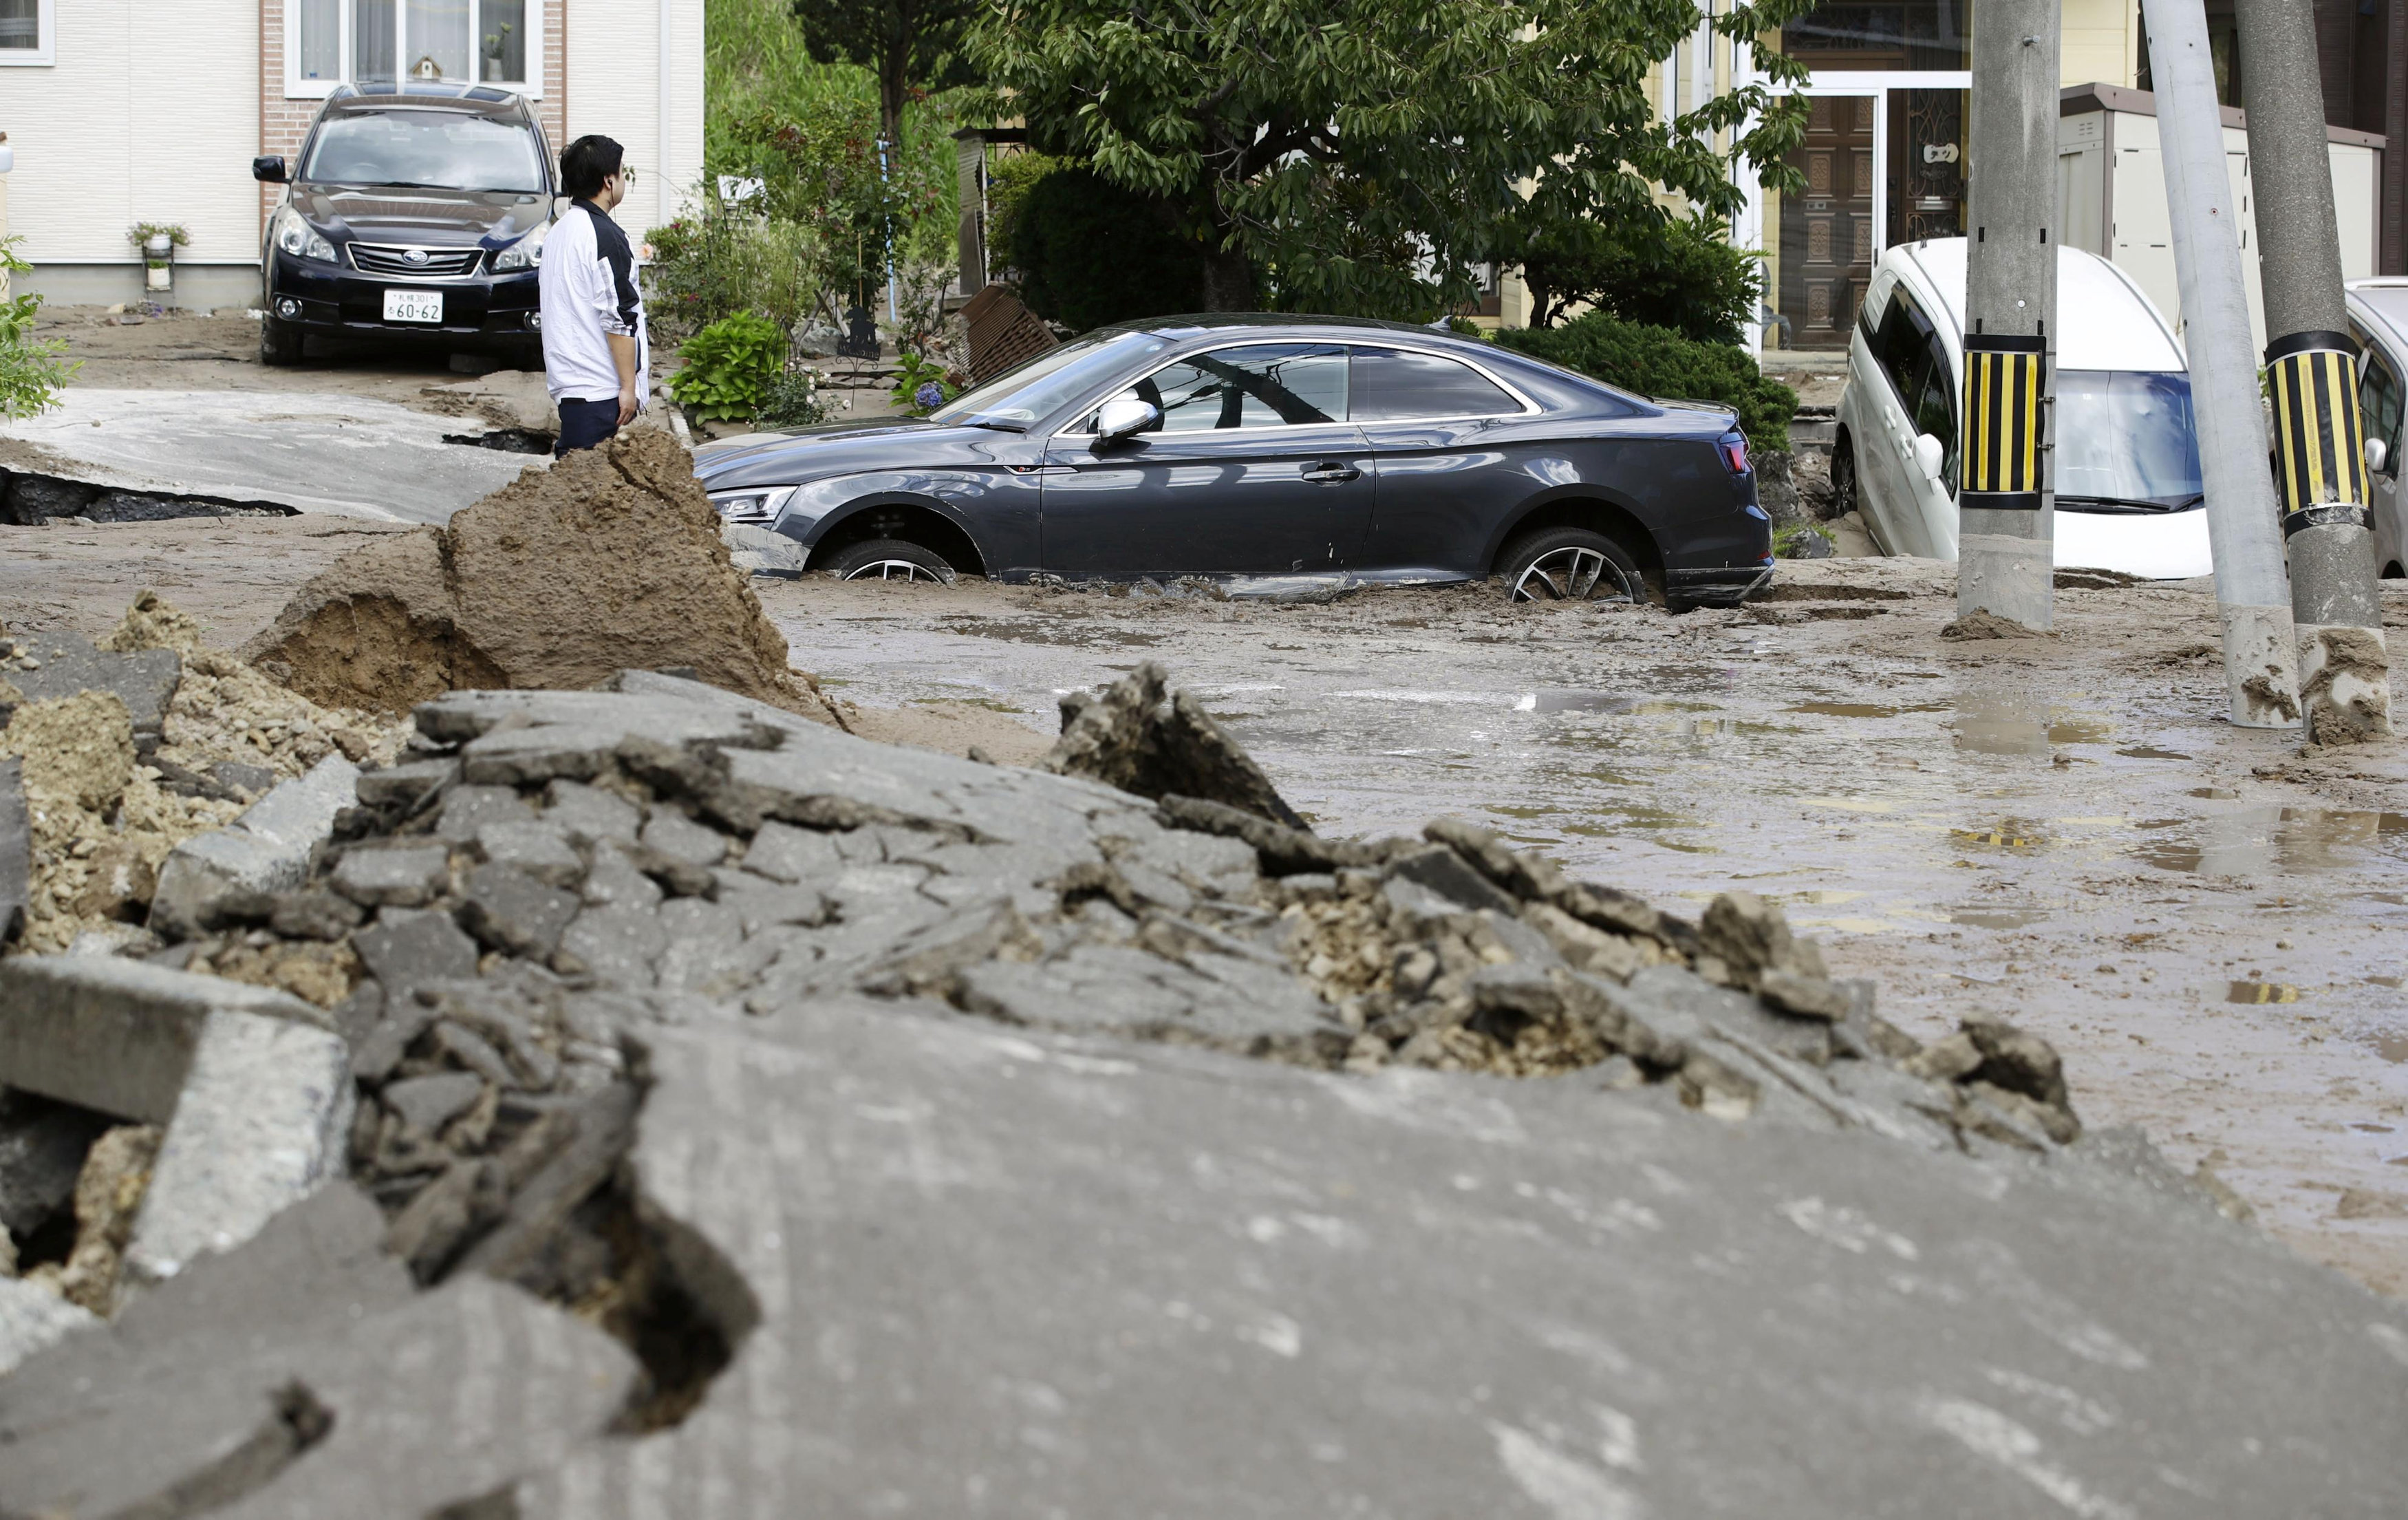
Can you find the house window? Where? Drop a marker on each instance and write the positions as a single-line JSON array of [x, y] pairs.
[[332, 42], [28, 32]]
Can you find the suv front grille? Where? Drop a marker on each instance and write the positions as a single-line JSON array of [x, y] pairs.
[[433, 263]]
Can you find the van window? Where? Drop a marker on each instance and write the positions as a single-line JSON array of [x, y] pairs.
[[1899, 345], [1935, 404], [1876, 304], [2380, 401]]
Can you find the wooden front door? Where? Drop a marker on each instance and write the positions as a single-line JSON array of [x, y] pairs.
[[1827, 229]]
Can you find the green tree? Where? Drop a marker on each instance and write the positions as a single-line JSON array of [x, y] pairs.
[[912, 46], [1369, 156], [1089, 251]]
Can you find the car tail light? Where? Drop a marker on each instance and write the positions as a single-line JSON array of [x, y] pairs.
[[1734, 448]]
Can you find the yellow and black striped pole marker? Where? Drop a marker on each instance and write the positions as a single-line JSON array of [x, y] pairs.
[[2000, 458], [2320, 438]]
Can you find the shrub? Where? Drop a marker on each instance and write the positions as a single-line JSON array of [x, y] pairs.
[[792, 400], [1089, 252], [1668, 272], [716, 265], [1658, 362], [31, 370], [922, 384], [729, 367]]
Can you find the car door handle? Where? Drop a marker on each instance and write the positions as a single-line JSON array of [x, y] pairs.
[[1332, 473]]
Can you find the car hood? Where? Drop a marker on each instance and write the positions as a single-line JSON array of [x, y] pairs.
[[436, 218], [814, 453]]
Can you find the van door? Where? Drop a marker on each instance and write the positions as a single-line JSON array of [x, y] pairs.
[[1892, 484], [1934, 413], [2381, 399]]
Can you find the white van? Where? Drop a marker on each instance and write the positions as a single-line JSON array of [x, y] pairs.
[[2128, 485], [2378, 318]]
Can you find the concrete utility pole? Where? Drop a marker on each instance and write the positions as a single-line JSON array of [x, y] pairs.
[[2312, 369], [2261, 684], [2005, 502]]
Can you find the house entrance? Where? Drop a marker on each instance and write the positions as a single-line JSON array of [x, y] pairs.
[[1827, 229]]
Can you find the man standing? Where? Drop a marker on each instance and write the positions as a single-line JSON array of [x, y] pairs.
[[597, 349]]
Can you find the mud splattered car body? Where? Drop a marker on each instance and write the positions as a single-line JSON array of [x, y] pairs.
[[1248, 444]]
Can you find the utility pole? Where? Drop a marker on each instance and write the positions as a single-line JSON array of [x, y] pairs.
[[2312, 370], [2005, 502], [2261, 684]]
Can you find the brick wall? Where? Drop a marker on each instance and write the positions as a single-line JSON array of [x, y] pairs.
[[282, 122]]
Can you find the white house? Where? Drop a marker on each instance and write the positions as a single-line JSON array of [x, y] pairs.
[[122, 111]]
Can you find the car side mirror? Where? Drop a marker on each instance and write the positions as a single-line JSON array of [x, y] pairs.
[[2377, 455], [1123, 416], [268, 170], [1930, 453]]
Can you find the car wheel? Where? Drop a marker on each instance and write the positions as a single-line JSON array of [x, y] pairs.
[[891, 559], [280, 342], [1843, 477], [1570, 564]]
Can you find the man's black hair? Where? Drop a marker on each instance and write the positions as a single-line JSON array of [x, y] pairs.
[[586, 162]]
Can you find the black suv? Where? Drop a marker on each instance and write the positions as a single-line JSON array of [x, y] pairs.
[[417, 211]]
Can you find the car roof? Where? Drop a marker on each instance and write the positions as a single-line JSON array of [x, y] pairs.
[[2385, 299], [2104, 320], [427, 94], [1205, 321]]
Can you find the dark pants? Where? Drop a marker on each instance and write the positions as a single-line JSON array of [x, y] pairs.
[[584, 424]]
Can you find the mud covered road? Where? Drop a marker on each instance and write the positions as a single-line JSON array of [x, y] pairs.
[[2208, 924]]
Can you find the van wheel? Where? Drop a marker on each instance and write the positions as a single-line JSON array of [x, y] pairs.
[[1570, 564], [891, 559], [1843, 477], [280, 342]]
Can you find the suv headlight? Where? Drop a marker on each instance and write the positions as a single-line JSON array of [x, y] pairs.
[[294, 235], [524, 255], [759, 503]]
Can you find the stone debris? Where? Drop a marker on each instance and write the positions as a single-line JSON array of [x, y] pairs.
[[1981, 625], [124, 750], [711, 1027], [608, 559], [1130, 737]]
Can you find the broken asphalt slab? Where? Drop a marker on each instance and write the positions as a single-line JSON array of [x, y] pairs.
[[1057, 1274], [349, 456]]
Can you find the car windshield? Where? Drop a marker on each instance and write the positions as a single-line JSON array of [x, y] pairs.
[[2125, 438], [425, 149], [1047, 382]]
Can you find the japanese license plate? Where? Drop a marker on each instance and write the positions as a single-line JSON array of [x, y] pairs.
[[413, 306]]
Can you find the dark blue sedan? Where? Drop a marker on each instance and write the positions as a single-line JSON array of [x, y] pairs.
[[1238, 446]]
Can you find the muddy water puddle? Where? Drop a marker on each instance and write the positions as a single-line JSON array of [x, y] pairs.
[[1971, 841]]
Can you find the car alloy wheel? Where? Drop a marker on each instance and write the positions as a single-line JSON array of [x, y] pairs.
[[1568, 575], [892, 559], [893, 569]]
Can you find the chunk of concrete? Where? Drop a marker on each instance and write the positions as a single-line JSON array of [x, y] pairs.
[[16, 850], [144, 680], [263, 1117], [406, 953], [265, 850], [675, 835], [509, 910], [42, 1147], [407, 876], [32, 1318], [406, 784], [541, 850], [118, 1035]]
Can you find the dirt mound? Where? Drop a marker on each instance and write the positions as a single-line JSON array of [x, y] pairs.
[[1984, 624], [611, 559]]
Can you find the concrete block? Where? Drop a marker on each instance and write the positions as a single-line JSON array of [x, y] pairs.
[[263, 1117], [265, 850], [404, 785], [118, 1035]]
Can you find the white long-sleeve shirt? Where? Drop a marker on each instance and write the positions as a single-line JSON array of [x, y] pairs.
[[588, 287]]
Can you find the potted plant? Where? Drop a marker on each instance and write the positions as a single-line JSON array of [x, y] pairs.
[[158, 242]]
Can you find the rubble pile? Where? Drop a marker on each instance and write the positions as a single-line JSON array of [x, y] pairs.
[[125, 748], [613, 971], [611, 557]]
